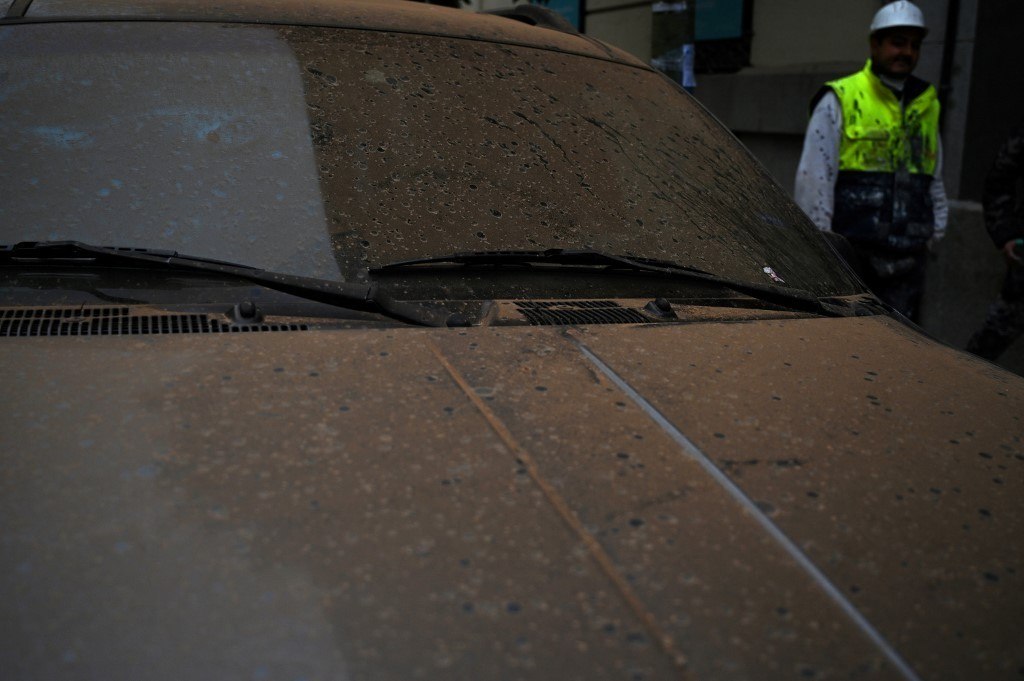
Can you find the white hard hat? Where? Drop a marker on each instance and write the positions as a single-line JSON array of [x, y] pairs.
[[899, 13]]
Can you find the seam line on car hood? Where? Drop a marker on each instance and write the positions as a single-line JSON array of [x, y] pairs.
[[748, 504], [566, 513]]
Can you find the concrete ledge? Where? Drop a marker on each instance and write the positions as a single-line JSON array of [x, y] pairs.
[[774, 100]]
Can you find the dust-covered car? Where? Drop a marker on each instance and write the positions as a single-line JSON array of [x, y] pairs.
[[379, 340]]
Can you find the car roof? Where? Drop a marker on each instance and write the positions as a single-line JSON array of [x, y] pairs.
[[511, 27]]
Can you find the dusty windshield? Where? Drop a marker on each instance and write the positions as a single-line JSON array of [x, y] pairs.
[[326, 152]]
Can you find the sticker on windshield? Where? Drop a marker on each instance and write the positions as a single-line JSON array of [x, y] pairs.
[[771, 273]]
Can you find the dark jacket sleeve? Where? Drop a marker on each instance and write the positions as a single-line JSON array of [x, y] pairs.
[[1001, 200]]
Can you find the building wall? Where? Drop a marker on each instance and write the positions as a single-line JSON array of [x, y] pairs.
[[788, 32], [624, 24]]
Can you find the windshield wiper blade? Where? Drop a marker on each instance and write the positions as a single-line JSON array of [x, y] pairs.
[[557, 256], [792, 298], [362, 297]]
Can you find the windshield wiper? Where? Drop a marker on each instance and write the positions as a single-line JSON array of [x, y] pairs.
[[362, 297], [787, 297]]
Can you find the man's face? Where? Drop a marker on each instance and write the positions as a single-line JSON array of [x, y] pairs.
[[894, 52]]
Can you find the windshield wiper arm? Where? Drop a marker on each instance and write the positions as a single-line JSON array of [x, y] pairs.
[[792, 298], [362, 297]]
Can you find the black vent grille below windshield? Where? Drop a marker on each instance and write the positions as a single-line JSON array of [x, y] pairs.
[[579, 312], [118, 321]]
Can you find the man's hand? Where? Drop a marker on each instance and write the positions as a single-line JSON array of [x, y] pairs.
[[1010, 251]]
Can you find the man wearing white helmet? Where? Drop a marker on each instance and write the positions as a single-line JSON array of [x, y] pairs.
[[872, 161]]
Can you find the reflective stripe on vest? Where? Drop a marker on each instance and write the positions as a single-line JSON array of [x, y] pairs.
[[878, 134]]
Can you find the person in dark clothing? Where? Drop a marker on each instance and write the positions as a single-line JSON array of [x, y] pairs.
[[1003, 220]]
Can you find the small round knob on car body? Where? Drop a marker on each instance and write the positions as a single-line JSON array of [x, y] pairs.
[[246, 312], [247, 309], [660, 307]]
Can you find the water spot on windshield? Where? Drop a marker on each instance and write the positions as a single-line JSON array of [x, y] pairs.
[[63, 138]]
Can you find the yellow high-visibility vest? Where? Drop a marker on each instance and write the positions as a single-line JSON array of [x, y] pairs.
[[880, 135]]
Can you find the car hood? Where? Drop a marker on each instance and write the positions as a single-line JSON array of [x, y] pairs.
[[788, 498]]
